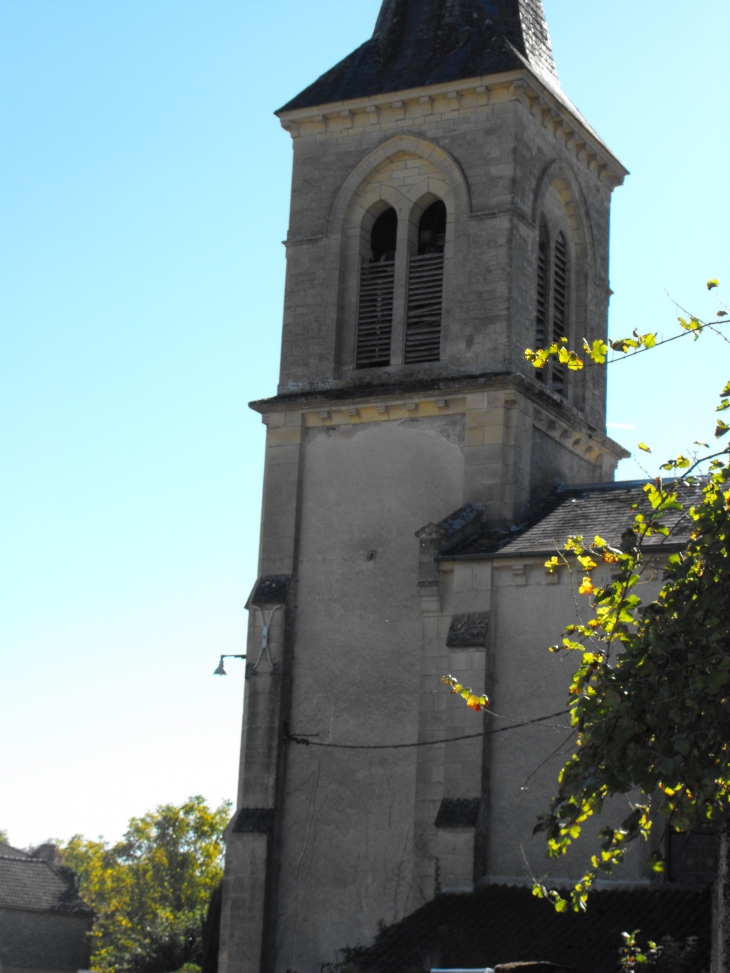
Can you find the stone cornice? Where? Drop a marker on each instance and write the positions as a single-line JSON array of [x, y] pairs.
[[523, 86], [551, 415]]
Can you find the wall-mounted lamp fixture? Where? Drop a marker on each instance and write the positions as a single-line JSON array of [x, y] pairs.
[[221, 670]]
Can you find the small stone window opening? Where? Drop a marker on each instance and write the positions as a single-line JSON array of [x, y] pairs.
[[375, 294], [425, 288]]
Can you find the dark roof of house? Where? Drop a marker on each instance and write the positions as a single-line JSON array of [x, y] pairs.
[[502, 924], [36, 885], [425, 42], [7, 851], [588, 509]]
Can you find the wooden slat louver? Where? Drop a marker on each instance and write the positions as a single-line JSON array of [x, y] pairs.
[[425, 299], [542, 309], [375, 314], [560, 306]]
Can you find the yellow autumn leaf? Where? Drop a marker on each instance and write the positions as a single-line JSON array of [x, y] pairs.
[[586, 587], [644, 447]]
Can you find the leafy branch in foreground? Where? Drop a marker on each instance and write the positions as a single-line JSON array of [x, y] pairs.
[[597, 351], [650, 697], [472, 700], [669, 956]]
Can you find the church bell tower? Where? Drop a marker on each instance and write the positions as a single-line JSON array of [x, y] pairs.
[[449, 208]]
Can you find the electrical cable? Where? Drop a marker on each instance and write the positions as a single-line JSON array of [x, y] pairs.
[[305, 742]]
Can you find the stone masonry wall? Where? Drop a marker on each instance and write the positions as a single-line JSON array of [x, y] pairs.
[[43, 941], [507, 158]]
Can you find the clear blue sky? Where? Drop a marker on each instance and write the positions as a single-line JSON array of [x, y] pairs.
[[144, 197]]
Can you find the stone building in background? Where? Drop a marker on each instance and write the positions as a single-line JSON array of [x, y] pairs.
[[43, 921], [449, 208]]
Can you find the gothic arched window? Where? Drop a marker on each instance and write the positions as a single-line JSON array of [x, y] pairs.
[[425, 288], [375, 294]]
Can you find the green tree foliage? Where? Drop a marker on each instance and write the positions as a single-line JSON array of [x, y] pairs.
[[650, 697], [669, 956], [151, 889]]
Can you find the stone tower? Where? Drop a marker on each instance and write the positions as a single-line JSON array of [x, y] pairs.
[[450, 207]]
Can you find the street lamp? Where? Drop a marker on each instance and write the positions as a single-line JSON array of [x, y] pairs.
[[221, 671]]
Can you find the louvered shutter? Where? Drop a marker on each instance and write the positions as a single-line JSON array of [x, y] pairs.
[[375, 314], [425, 300], [561, 284], [542, 310]]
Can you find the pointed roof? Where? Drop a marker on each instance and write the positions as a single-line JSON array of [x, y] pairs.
[[425, 42]]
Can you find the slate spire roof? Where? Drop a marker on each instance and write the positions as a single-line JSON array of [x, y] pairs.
[[425, 42]]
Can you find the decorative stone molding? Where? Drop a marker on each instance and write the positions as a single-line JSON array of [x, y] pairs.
[[587, 445], [397, 409], [556, 113]]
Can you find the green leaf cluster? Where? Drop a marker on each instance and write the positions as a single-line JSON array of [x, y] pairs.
[[669, 956], [650, 699], [596, 352], [150, 889]]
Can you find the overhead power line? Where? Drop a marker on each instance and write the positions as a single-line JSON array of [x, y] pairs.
[[308, 742]]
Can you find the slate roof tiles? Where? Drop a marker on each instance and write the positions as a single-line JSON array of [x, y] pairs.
[[425, 42], [34, 884], [588, 509]]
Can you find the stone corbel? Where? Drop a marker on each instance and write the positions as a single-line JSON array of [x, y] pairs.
[[564, 128], [518, 573], [318, 125], [291, 127], [551, 577], [372, 115], [520, 91]]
